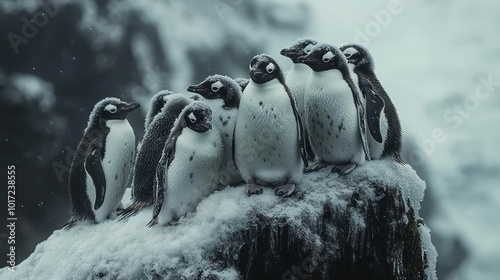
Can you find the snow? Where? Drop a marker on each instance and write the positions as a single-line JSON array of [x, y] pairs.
[[430, 252], [130, 250]]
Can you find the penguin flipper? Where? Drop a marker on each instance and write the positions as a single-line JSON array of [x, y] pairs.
[[309, 150], [300, 131], [233, 148], [93, 166], [361, 117], [161, 180], [374, 107]]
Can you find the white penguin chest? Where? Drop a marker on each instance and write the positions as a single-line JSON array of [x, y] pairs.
[[119, 150], [376, 148], [266, 133], [194, 172], [296, 81], [224, 120], [331, 116], [120, 146]]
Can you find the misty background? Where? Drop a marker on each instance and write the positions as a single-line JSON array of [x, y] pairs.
[[438, 61]]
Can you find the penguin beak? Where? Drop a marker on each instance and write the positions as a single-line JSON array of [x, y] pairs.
[[198, 89], [130, 106], [289, 53], [258, 74], [205, 126], [306, 59]]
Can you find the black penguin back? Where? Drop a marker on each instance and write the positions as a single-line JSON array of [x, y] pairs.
[[393, 143], [151, 148], [93, 139]]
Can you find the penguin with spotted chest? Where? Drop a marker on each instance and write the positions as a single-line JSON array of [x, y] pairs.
[[297, 77], [335, 116], [101, 168], [151, 146], [189, 168], [268, 145], [223, 95]]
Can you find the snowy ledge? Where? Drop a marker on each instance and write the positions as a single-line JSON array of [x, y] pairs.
[[361, 226]]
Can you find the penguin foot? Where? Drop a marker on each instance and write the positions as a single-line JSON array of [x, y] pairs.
[[130, 211], [316, 166], [252, 188], [344, 169], [285, 190]]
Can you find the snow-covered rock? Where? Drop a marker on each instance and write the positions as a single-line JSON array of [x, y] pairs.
[[361, 225]]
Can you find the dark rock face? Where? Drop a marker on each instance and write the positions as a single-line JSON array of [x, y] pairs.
[[388, 247]]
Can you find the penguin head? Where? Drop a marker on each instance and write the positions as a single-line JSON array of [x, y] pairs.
[[158, 101], [264, 68], [117, 110], [109, 108], [324, 57], [219, 87], [358, 56], [301, 47], [197, 116]]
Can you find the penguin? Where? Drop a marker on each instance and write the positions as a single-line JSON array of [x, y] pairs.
[[242, 82], [156, 104], [158, 101], [102, 165], [149, 151], [334, 114], [190, 164], [223, 95], [385, 137], [297, 77], [268, 145]]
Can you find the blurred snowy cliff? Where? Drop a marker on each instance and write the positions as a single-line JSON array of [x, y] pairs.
[[361, 226]]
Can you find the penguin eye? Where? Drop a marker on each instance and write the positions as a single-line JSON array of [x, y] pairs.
[[216, 86], [110, 108], [350, 52], [327, 57], [270, 68], [192, 117], [308, 48]]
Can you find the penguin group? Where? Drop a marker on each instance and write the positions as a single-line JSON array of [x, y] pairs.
[[263, 131]]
